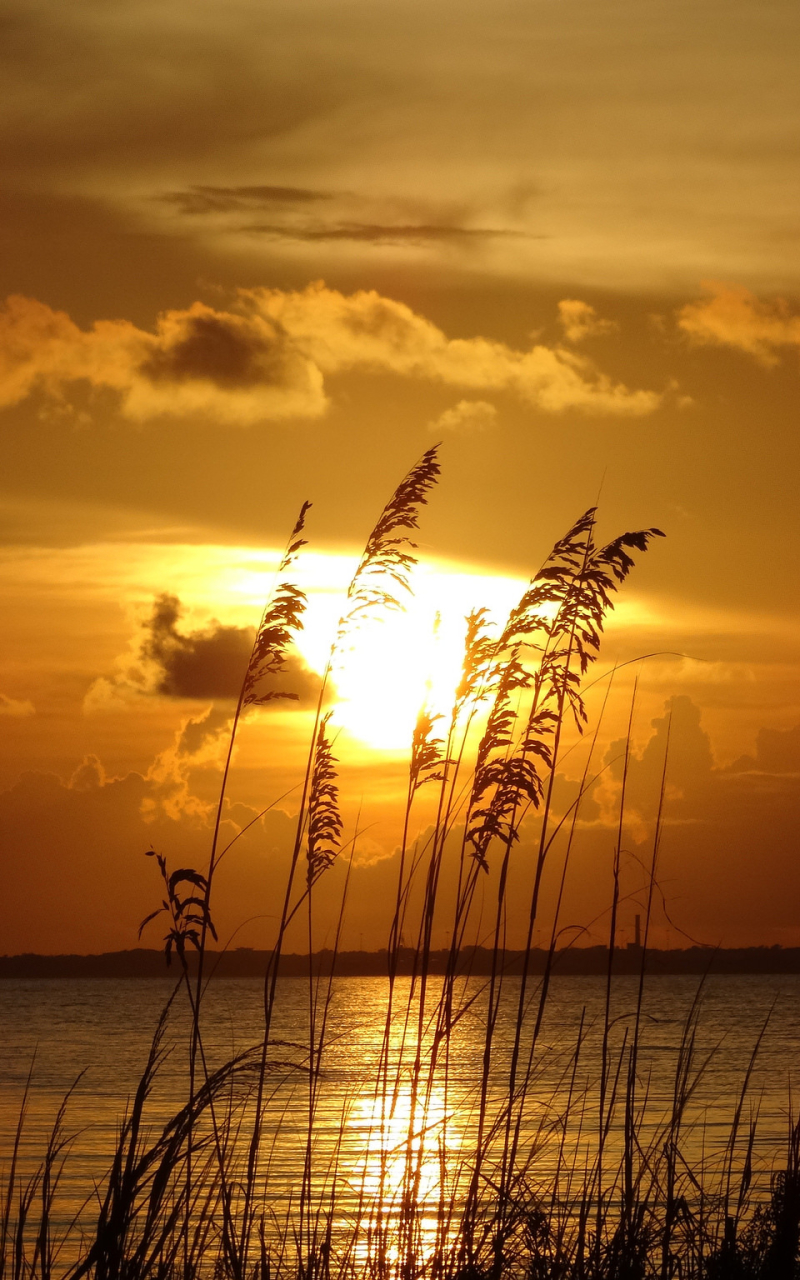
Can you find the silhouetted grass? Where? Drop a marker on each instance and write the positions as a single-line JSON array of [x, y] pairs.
[[473, 1150]]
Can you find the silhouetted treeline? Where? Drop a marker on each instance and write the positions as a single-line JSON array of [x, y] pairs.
[[247, 963]]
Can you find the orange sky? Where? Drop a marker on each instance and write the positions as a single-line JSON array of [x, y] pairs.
[[257, 254]]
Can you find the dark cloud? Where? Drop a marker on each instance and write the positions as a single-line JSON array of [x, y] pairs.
[[196, 734], [729, 838], [75, 877], [223, 349], [200, 664], [375, 233], [698, 789], [777, 752], [199, 200], [210, 663], [691, 763], [238, 368], [202, 200]]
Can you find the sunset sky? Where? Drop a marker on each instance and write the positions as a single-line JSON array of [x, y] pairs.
[[255, 254]]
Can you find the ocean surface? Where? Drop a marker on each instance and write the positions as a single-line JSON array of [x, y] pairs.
[[91, 1039]]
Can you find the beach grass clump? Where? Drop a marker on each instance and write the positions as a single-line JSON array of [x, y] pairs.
[[472, 1146]]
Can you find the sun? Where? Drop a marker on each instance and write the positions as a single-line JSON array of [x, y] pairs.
[[391, 670], [394, 663], [407, 657]]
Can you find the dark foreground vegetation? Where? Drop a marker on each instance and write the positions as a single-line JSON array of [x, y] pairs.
[[471, 1148]]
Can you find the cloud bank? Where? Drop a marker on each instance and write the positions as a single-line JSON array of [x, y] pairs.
[[76, 878], [269, 358]]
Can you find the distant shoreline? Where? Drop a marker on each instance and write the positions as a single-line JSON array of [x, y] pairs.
[[247, 963]]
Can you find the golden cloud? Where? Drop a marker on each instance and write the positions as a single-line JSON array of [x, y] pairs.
[[240, 369], [366, 330], [579, 320], [467, 415], [269, 358], [735, 317]]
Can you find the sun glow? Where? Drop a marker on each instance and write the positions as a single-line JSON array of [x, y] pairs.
[[386, 669], [396, 662], [398, 659]]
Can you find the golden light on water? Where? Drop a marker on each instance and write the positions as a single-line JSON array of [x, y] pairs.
[[409, 1149]]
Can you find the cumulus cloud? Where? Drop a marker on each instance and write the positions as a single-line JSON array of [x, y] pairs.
[[200, 664], [727, 859], [75, 878], [269, 358], [200, 743], [17, 707], [691, 763], [196, 734], [735, 317], [467, 415], [701, 792], [108, 694], [241, 369], [208, 663], [365, 330], [579, 320], [90, 775], [777, 753]]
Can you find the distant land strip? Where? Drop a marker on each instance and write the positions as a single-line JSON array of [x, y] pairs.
[[246, 963]]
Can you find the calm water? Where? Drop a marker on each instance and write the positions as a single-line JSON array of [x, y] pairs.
[[93, 1037]]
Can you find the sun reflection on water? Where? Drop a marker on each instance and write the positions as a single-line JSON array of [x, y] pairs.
[[406, 1172]]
